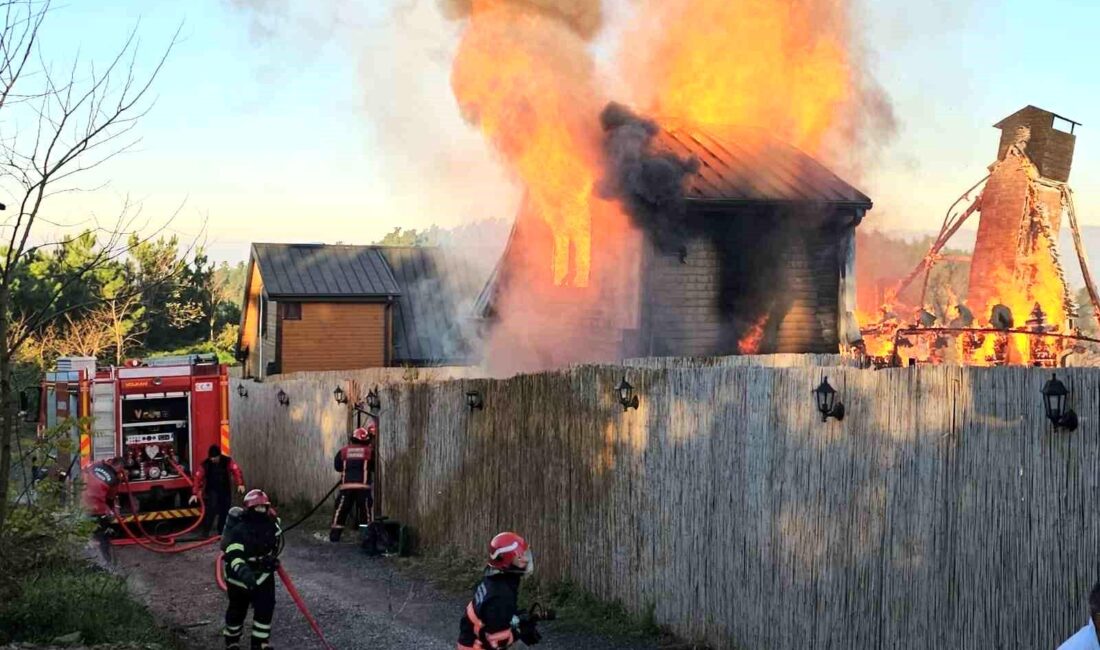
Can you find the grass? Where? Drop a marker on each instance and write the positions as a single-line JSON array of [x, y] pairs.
[[56, 600], [452, 571], [47, 589]]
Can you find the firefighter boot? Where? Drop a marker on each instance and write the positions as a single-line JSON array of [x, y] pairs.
[[261, 635], [232, 637]]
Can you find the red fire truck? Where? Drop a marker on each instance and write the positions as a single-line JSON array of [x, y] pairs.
[[160, 415]]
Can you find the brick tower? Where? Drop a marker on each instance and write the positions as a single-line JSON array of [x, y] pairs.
[[1021, 207]]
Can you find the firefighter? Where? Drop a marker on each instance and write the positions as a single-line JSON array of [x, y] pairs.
[[354, 463], [491, 621], [213, 481], [100, 494], [251, 545]]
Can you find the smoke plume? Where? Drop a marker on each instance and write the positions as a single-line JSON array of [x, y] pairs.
[[583, 17], [649, 183]]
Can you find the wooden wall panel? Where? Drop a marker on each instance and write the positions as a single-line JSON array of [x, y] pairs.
[[334, 336]]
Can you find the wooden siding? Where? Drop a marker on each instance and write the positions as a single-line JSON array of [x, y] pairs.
[[737, 270], [250, 323], [334, 336]]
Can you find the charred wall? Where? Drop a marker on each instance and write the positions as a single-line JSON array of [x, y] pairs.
[[743, 272]]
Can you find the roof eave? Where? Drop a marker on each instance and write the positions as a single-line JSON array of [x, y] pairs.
[[741, 203], [327, 297]]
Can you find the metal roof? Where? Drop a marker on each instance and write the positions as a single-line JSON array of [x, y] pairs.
[[432, 316], [744, 165], [317, 271]]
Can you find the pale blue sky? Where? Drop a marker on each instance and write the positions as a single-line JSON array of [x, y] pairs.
[[335, 124]]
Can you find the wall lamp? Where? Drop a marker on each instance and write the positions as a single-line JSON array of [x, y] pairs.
[[626, 395], [340, 396], [1054, 399], [474, 401], [242, 391], [827, 406], [283, 398], [374, 402]]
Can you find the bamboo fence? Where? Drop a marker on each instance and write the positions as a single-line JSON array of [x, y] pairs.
[[942, 512]]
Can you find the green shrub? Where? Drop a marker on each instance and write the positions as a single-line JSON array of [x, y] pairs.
[[63, 599]]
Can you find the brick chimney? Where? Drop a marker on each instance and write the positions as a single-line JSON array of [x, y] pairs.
[[1036, 146]]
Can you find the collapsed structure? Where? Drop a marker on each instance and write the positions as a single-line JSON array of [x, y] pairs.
[[1018, 308]]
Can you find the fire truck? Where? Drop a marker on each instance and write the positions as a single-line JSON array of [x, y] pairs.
[[160, 415]]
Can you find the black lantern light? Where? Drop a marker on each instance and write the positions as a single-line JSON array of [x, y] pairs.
[[626, 395], [340, 396], [374, 402], [283, 398], [1054, 400], [242, 391], [827, 406], [474, 401]]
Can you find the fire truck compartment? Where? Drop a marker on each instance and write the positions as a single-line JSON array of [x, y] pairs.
[[156, 435]]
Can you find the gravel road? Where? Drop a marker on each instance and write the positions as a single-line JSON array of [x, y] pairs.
[[360, 602]]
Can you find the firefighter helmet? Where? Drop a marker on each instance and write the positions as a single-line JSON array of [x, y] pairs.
[[256, 497], [509, 552], [359, 435]]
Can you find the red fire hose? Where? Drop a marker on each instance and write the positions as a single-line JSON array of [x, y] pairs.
[[290, 589], [219, 577], [162, 543], [160, 547]]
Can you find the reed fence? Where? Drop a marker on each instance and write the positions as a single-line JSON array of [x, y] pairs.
[[942, 512]]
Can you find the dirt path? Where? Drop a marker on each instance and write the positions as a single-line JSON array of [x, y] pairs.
[[360, 602]]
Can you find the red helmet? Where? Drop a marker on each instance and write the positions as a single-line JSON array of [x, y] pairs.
[[509, 552], [256, 497], [364, 435]]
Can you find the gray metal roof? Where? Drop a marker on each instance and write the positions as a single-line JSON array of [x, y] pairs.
[[316, 271], [743, 165], [432, 317]]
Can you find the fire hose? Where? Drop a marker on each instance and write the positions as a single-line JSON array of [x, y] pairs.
[[313, 510], [219, 577], [162, 543]]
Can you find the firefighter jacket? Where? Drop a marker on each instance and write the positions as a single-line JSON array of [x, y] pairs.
[[354, 463], [251, 547], [487, 623], [216, 477], [100, 489]]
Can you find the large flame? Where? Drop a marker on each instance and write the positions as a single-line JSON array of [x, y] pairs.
[[526, 79], [776, 64]]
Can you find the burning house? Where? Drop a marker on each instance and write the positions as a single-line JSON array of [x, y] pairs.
[[733, 242]]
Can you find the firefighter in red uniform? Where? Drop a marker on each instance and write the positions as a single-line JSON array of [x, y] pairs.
[[213, 481], [100, 492], [251, 544], [491, 621], [354, 463]]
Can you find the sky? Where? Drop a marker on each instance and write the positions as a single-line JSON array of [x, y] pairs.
[[290, 120]]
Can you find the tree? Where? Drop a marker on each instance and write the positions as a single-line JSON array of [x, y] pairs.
[[410, 237], [55, 124]]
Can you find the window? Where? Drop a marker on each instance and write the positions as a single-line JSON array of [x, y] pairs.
[[290, 311]]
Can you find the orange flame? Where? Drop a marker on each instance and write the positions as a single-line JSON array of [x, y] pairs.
[[774, 64], [539, 111], [751, 340]]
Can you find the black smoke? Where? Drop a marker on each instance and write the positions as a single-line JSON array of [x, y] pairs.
[[648, 182]]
